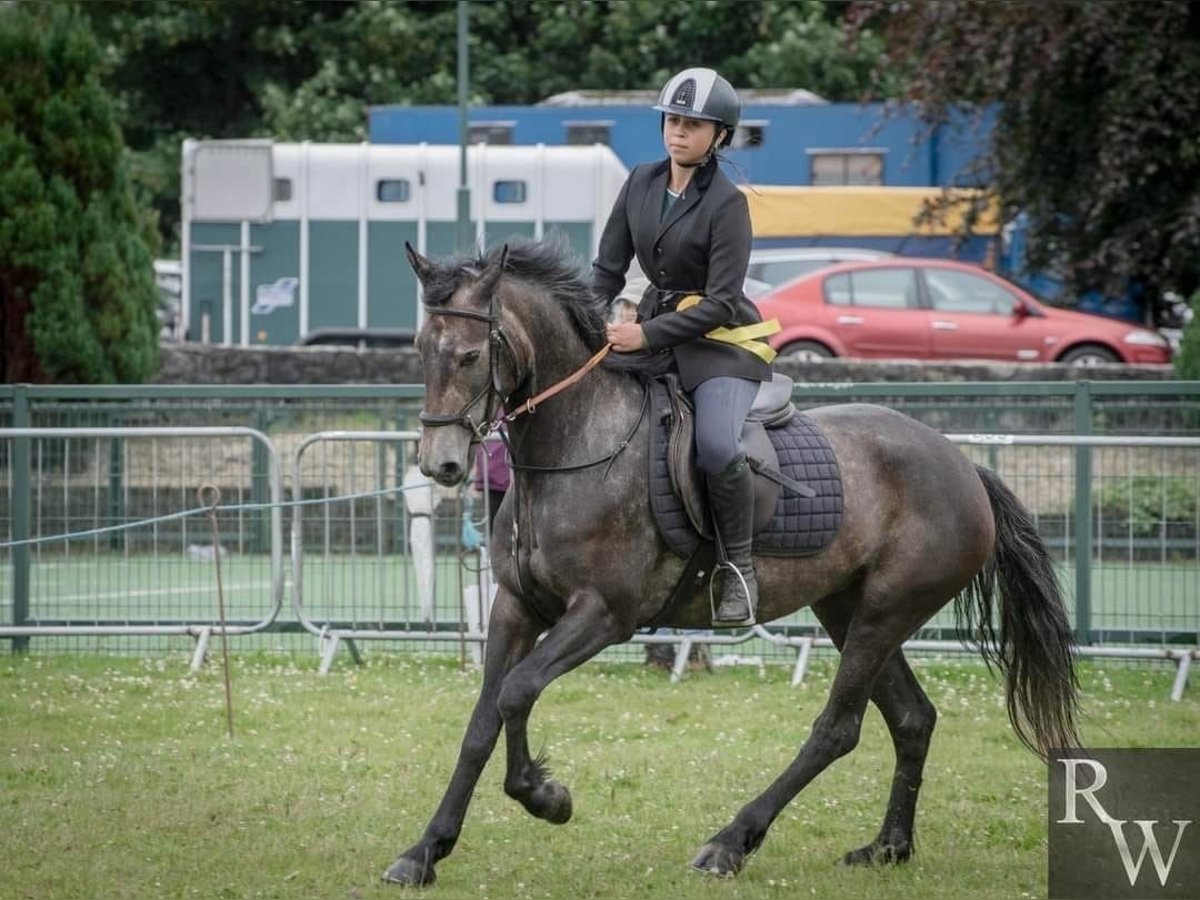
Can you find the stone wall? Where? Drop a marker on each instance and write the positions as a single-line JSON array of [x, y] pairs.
[[198, 364]]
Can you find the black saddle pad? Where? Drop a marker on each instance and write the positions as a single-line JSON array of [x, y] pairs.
[[801, 526]]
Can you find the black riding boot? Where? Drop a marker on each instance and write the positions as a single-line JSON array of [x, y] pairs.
[[731, 496]]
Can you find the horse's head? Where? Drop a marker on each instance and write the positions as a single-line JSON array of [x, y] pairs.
[[458, 345]]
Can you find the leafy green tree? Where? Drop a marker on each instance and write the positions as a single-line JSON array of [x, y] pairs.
[[77, 294], [308, 71], [525, 50], [1095, 135], [195, 68]]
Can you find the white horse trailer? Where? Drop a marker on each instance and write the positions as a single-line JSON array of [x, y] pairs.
[[279, 240]]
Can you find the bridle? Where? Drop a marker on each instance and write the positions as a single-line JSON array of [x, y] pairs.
[[490, 391], [496, 339]]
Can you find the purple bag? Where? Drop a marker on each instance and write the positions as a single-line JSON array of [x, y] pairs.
[[494, 455]]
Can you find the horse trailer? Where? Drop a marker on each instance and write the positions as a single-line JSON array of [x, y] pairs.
[[281, 239]]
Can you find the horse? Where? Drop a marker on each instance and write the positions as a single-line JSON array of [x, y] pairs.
[[580, 565]]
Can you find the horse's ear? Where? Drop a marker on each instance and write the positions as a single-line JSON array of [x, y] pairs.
[[419, 263], [482, 292]]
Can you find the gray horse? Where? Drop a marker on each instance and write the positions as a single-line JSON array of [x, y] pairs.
[[577, 555]]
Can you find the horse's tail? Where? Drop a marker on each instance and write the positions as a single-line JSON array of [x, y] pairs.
[[1033, 648]]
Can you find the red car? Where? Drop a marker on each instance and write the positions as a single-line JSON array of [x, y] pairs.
[[909, 308]]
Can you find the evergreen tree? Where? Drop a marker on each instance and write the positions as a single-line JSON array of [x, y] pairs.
[[77, 293]]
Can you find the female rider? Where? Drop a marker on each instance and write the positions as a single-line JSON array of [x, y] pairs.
[[689, 227]]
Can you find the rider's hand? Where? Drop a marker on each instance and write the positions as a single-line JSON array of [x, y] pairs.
[[626, 337]]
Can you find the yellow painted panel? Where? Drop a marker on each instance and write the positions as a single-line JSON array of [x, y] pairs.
[[791, 211]]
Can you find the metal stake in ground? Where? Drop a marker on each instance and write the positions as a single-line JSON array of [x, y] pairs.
[[210, 496]]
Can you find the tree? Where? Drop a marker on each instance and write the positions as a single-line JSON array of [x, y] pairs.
[[308, 71], [194, 68], [76, 276], [1095, 134]]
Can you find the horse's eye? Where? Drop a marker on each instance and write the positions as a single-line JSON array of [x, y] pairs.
[[468, 359]]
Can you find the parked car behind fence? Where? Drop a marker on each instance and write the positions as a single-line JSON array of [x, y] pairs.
[[913, 308]]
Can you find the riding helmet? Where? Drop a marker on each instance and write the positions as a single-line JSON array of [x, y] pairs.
[[702, 94]]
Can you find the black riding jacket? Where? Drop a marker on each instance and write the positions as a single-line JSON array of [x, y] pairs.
[[701, 246]]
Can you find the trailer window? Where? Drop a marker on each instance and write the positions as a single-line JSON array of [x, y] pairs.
[[749, 134], [831, 167], [281, 190], [490, 133], [588, 133], [392, 190], [509, 191]]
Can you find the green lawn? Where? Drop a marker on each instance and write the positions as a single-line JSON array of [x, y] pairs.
[[116, 780]]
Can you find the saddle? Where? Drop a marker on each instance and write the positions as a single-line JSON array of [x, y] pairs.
[[797, 486]]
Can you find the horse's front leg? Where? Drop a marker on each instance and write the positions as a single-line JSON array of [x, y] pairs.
[[511, 635], [587, 627]]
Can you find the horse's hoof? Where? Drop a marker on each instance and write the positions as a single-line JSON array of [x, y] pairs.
[[878, 855], [719, 860], [409, 872], [552, 802]]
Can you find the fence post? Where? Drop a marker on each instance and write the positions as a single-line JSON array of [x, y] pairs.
[[116, 490], [260, 477], [1083, 516], [19, 473]]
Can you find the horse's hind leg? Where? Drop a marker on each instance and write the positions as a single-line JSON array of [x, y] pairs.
[[587, 628], [834, 734], [910, 718], [511, 635]]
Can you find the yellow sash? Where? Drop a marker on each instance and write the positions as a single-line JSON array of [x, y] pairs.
[[744, 336]]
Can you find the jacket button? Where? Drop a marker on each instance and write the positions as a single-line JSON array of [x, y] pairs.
[[662, 273]]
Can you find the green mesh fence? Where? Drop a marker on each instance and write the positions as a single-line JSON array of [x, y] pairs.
[[1143, 567]]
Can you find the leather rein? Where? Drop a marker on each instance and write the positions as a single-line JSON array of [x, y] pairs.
[[492, 398]]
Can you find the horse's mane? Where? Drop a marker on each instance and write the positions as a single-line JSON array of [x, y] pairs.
[[548, 264]]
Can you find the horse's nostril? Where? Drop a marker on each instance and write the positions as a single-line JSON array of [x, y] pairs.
[[451, 471]]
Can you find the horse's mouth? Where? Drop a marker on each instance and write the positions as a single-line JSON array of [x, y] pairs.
[[449, 474]]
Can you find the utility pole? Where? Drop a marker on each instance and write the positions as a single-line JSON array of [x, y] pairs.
[[466, 238]]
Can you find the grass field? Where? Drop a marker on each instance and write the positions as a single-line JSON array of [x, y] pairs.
[[118, 781]]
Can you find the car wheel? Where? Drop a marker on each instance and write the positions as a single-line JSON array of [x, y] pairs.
[[1089, 355], [806, 351]]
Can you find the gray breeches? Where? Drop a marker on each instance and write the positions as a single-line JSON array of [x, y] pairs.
[[722, 405]]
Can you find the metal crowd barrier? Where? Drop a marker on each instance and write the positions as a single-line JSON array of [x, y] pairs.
[[389, 569], [34, 620], [343, 622]]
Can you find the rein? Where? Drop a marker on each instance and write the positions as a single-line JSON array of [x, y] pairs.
[[491, 394], [531, 404]]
